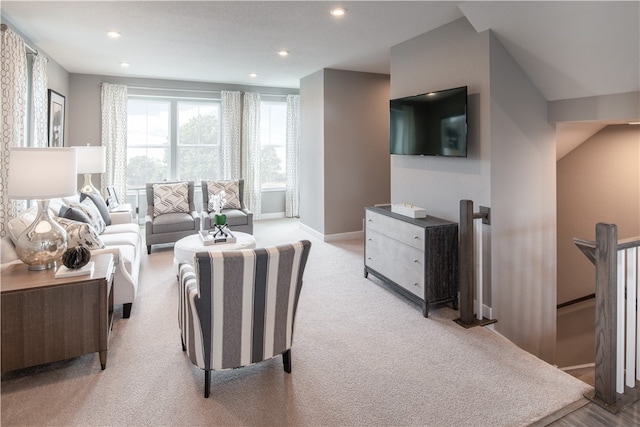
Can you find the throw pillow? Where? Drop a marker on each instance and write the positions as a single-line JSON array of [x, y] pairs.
[[74, 214], [170, 198], [80, 234], [100, 204], [231, 193], [89, 208]]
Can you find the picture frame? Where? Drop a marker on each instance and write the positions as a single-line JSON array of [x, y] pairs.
[[56, 119], [112, 198]]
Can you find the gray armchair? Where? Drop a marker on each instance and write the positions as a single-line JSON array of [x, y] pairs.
[[237, 219], [174, 217], [245, 331]]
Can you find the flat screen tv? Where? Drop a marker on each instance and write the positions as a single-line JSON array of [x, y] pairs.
[[431, 124]]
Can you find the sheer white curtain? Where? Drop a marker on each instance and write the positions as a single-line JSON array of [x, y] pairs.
[[251, 152], [292, 194], [230, 134], [114, 137], [39, 107], [14, 96]]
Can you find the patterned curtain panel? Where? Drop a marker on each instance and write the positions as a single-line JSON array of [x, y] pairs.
[[114, 137], [39, 104], [230, 134], [251, 153], [292, 194], [14, 101]]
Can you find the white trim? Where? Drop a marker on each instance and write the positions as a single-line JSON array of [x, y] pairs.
[[273, 215], [571, 368], [333, 237], [352, 235]]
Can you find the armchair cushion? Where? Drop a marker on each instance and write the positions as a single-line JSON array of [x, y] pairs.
[[170, 198], [172, 222], [231, 190]]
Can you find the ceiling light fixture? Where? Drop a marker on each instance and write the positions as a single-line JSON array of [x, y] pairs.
[[338, 11], [253, 75], [634, 123], [283, 53], [124, 64], [113, 34]]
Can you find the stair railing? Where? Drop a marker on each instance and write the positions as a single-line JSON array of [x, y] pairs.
[[470, 265], [617, 355]]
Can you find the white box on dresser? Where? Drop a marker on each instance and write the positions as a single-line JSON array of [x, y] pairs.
[[417, 256]]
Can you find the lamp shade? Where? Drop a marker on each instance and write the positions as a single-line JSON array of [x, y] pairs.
[[42, 173], [92, 159]]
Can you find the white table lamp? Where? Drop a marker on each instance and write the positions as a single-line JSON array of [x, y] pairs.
[[42, 174], [91, 159]]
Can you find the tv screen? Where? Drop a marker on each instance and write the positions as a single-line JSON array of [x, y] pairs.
[[431, 124]]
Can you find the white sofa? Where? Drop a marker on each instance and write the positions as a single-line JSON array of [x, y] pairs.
[[121, 238]]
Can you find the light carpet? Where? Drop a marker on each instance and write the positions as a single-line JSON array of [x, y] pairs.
[[362, 355]]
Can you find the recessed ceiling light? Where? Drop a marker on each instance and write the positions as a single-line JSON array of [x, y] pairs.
[[283, 53], [113, 34], [634, 123], [124, 64], [338, 11], [253, 75]]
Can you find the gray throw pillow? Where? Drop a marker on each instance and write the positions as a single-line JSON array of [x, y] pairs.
[[74, 214], [100, 204]]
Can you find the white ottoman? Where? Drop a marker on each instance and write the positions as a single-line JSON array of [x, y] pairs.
[[186, 248]]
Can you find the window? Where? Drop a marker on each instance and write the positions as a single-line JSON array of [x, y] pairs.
[[172, 139], [273, 137]]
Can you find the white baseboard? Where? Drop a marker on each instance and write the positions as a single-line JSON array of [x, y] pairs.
[[274, 215], [333, 237]]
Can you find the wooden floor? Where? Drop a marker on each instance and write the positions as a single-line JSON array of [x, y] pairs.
[[588, 414]]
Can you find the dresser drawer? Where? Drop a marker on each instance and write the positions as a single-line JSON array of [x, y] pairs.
[[398, 252], [401, 275], [404, 232]]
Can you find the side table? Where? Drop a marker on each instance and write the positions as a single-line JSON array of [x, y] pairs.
[[45, 319]]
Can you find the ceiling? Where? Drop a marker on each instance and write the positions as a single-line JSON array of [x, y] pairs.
[[568, 49]]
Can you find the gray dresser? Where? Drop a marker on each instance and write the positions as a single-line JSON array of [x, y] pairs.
[[418, 257]]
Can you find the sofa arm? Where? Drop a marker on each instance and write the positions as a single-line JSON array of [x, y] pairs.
[[124, 217]]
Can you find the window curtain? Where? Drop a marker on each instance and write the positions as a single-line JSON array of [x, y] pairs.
[[39, 101], [14, 98], [230, 134], [114, 137], [251, 152], [292, 192]]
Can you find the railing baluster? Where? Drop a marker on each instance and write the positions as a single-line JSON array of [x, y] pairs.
[[631, 316], [620, 322]]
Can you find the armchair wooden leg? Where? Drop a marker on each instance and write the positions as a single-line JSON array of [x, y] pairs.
[[207, 383], [148, 249], [286, 360]]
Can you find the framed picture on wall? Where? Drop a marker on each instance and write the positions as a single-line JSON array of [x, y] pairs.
[[56, 119]]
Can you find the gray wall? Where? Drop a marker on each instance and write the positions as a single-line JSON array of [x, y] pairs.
[[597, 182], [510, 168], [523, 208], [312, 162], [345, 149]]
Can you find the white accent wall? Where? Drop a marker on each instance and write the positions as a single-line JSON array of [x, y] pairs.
[[510, 168]]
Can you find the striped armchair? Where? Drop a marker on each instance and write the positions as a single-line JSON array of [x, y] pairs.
[[238, 307]]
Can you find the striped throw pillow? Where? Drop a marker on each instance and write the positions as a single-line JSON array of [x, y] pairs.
[[231, 193], [170, 198]]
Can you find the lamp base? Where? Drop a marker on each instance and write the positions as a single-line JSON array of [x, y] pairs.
[[88, 187], [43, 242]]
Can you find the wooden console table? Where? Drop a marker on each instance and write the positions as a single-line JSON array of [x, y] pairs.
[[45, 319]]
